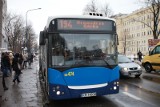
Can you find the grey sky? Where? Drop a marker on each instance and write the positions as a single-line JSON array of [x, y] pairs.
[[38, 18]]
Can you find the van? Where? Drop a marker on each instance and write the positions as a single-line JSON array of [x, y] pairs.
[[151, 62]]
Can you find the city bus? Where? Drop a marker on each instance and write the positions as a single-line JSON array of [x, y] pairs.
[[78, 57]]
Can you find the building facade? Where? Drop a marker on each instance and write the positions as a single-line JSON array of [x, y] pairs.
[[134, 32], [3, 38]]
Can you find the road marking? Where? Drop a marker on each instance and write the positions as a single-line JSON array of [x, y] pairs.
[[130, 95]]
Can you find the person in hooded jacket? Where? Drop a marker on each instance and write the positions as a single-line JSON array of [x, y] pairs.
[[16, 67]]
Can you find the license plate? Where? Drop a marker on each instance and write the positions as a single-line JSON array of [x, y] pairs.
[[88, 94], [135, 73]]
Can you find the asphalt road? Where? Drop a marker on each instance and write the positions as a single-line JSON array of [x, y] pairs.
[[130, 95]]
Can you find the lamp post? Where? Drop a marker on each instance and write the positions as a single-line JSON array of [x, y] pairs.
[[27, 36], [137, 46]]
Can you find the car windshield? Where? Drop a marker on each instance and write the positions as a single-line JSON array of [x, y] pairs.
[[123, 59], [82, 50]]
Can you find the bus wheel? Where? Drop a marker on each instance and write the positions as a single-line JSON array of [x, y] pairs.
[[148, 67], [46, 105]]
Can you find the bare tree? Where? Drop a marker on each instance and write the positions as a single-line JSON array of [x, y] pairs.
[[35, 46], [126, 41], [107, 11], [15, 30], [9, 28], [91, 7], [153, 7], [31, 40]]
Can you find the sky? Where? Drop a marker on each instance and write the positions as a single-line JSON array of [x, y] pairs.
[[38, 18]]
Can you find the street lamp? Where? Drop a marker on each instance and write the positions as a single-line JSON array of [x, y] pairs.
[[27, 36]]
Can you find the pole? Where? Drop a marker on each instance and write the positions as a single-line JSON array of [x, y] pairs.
[[28, 36], [137, 46]]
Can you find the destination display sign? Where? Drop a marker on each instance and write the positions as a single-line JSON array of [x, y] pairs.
[[79, 24]]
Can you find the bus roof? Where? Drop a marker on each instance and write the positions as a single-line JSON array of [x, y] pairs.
[[50, 18]]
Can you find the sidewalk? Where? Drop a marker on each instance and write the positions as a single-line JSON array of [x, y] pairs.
[[26, 93]]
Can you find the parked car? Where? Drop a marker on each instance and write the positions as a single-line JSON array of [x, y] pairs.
[[128, 68]]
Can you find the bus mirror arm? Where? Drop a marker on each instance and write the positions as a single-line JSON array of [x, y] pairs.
[[45, 34]]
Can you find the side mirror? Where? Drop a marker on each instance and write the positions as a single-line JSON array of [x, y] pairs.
[[42, 38]]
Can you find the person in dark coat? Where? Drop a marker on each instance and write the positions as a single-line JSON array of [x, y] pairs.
[[30, 59], [4, 69], [16, 67], [139, 54]]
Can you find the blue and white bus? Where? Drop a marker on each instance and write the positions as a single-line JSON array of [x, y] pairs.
[[78, 57]]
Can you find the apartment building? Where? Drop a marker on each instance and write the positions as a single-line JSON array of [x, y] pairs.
[[133, 32], [3, 38]]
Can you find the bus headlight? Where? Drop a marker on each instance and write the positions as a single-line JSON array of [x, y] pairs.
[[58, 92], [114, 87]]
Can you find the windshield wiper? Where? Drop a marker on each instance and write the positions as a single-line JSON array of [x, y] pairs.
[[123, 62], [104, 61], [107, 63]]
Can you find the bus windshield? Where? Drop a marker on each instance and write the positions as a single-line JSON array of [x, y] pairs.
[[71, 50]]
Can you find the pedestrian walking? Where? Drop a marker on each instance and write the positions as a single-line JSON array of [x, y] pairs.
[[139, 54], [25, 57], [30, 59], [21, 60], [16, 67], [10, 60]]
